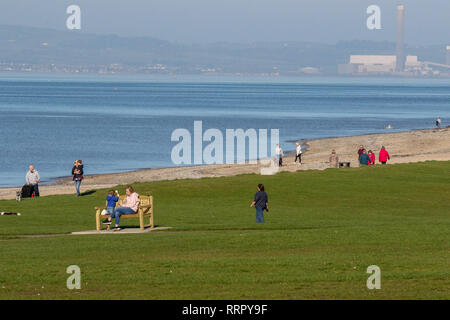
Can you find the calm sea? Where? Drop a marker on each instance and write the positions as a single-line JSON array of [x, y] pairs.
[[120, 123]]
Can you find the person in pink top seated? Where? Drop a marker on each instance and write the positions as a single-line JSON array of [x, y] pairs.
[[383, 157], [129, 206], [371, 158]]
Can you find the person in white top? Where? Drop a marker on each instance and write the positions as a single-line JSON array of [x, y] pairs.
[[33, 180], [279, 153], [438, 122], [298, 153]]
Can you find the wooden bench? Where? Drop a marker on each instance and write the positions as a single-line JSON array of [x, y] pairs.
[[145, 209]]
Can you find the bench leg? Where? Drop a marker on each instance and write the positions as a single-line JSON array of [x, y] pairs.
[[97, 220], [151, 221], [141, 221], [152, 225]]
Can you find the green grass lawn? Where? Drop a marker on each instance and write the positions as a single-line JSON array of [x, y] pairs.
[[323, 230]]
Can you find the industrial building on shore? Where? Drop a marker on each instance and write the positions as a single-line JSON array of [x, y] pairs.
[[397, 64]]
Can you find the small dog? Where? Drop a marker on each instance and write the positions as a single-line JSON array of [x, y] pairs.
[[9, 214], [18, 195]]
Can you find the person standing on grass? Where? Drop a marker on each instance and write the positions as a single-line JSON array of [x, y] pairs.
[[371, 158], [364, 158], [360, 151], [77, 175], [279, 153], [261, 203], [334, 159], [383, 157], [111, 200], [32, 179], [130, 205], [298, 153]]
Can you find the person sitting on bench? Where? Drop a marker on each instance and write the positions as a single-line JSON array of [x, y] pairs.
[[129, 206]]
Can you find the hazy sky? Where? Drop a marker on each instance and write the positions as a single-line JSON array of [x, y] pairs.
[[427, 21]]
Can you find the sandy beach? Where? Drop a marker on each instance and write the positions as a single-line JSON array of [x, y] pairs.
[[410, 146]]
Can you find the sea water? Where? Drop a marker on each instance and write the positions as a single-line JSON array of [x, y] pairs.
[[123, 123]]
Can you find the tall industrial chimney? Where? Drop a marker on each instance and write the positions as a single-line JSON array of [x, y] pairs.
[[400, 65]]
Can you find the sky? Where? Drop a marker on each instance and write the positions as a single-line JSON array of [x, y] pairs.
[[206, 21]]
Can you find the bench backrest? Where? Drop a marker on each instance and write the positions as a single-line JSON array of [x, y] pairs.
[[143, 200]]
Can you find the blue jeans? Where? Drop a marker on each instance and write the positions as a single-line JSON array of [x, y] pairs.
[[77, 186], [259, 215], [120, 211]]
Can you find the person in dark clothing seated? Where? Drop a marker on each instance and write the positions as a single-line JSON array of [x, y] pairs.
[[261, 203], [364, 159]]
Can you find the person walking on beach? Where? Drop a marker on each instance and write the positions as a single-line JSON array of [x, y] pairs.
[[261, 203], [371, 158], [77, 175], [130, 205], [32, 179], [438, 122], [279, 153], [298, 153], [383, 157], [364, 158], [334, 159], [360, 151]]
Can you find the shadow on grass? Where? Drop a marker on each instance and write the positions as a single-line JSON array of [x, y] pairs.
[[87, 193]]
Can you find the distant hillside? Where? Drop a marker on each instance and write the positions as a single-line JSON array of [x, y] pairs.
[[52, 50]]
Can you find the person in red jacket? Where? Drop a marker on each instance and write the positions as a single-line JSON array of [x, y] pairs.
[[371, 158], [383, 157]]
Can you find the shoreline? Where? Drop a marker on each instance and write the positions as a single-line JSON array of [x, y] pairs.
[[404, 146], [304, 142]]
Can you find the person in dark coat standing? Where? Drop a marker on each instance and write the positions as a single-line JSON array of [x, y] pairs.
[[77, 175], [261, 203], [360, 151], [364, 159]]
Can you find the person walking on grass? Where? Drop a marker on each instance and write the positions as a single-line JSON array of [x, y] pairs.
[[334, 159], [371, 158], [261, 203], [32, 179], [77, 175], [364, 158], [279, 153], [383, 157], [130, 205], [298, 153]]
